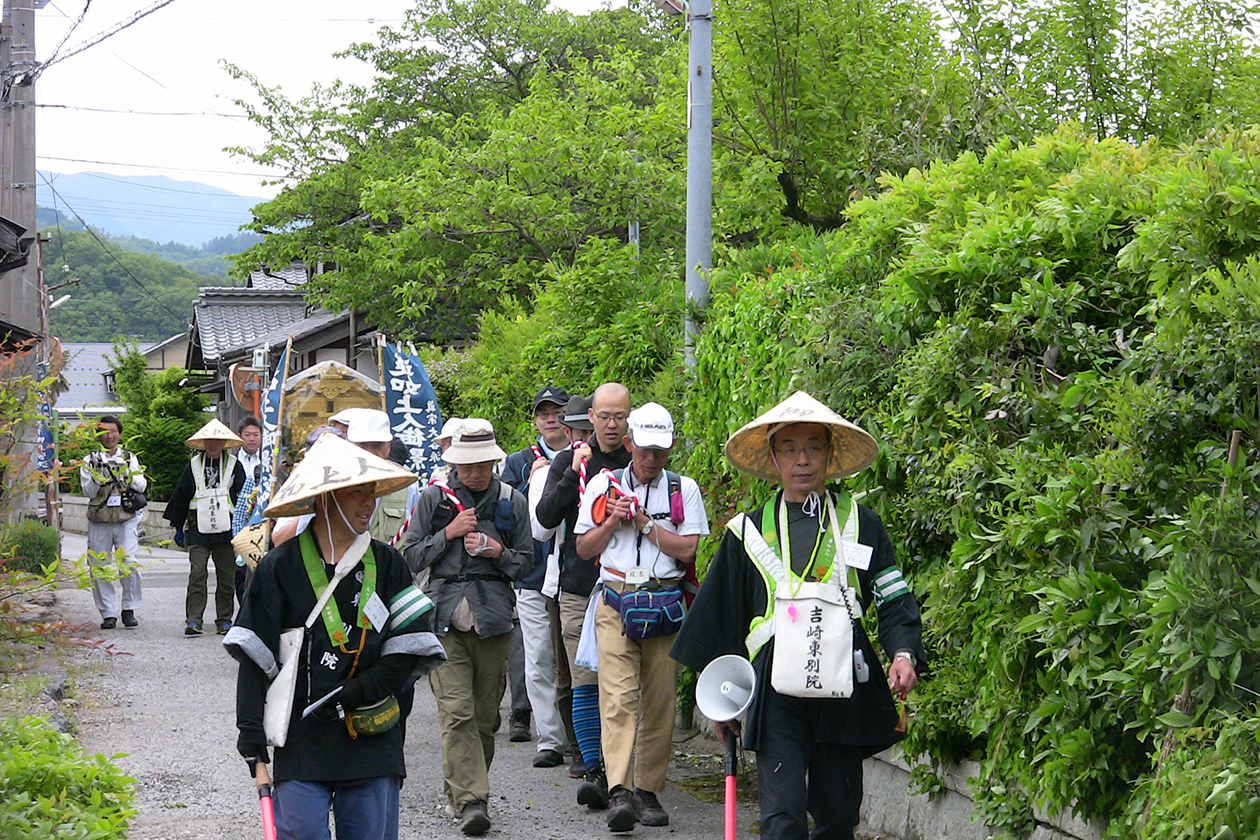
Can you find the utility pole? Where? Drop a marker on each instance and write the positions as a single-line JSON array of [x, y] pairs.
[[699, 165]]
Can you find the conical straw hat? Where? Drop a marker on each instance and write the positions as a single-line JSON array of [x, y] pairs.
[[333, 464], [852, 448], [214, 430]]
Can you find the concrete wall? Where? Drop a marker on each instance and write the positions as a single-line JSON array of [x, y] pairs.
[[889, 810], [153, 527]]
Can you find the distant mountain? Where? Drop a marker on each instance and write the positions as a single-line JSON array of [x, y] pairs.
[[151, 207]]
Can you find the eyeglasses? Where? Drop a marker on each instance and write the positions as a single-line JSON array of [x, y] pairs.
[[558, 414], [608, 417], [791, 450]]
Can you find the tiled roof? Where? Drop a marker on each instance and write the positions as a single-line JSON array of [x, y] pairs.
[[279, 279], [298, 330], [84, 372], [227, 317]]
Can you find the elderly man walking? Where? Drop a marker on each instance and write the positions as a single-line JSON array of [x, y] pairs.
[[473, 533], [642, 525], [789, 589]]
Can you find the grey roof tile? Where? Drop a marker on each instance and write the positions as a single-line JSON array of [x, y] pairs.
[[227, 317]]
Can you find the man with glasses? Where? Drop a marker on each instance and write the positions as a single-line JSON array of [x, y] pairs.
[[532, 626], [566, 479]]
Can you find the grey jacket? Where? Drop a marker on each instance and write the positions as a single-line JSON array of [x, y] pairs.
[[455, 574]]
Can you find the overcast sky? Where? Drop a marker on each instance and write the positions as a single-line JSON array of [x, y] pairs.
[[154, 99]]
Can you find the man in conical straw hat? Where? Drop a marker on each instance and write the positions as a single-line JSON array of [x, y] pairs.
[[200, 509], [788, 589], [365, 645]]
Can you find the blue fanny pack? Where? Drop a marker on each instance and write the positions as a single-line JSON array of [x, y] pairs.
[[648, 612]]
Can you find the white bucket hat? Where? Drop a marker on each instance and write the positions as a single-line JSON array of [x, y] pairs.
[[473, 443], [450, 427], [333, 464], [852, 448], [214, 430], [367, 425]]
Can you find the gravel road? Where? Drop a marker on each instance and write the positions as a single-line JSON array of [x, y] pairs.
[[163, 707]]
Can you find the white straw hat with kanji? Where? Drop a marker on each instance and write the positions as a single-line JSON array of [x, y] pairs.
[[214, 430], [852, 448], [334, 464]]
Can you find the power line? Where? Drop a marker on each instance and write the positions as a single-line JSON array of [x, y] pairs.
[[111, 254], [171, 168], [143, 113]]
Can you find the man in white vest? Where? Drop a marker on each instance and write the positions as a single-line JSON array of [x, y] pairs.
[[789, 589], [200, 510], [106, 476]]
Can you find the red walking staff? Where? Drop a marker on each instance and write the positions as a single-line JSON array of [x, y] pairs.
[[263, 782], [724, 691]]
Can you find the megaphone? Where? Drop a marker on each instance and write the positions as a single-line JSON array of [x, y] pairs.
[[724, 690]]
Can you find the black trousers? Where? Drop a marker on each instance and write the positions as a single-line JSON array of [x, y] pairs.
[[798, 774]]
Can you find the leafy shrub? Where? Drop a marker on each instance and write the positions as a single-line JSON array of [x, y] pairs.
[[51, 789], [29, 546]]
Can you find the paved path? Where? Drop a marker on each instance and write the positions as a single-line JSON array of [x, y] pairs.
[[167, 711]]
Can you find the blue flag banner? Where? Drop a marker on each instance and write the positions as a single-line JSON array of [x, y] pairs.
[[413, 410], [271, 433], [45, 451]]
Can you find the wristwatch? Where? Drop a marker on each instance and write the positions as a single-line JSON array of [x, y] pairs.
[[908, 655], [648, 526]]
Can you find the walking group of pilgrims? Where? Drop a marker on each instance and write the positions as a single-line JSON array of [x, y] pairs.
[[565, 570]]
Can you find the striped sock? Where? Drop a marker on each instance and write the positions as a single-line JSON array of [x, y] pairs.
[[586, 724]]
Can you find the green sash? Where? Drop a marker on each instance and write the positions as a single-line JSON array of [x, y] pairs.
[[319, 579]]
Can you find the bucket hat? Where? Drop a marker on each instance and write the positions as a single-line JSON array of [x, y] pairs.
[[334, 464], [450, 427], [575, 413], [852, 448], [214, 430], [473, 443]]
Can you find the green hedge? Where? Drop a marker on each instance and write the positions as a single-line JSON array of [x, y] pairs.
[[29, 546], [51, 789]]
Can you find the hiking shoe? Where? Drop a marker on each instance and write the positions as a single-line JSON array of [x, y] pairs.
[[221, 627], [109, 623], [519, 727], [622, 815], [129, 618], [593, 793], [548, 758], [577, 770], [473, 819], [192, 628], [649, 808]]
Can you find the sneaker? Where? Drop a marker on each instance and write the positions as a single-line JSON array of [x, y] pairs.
[[622, 815], [577, 770], [221, 627], [129, 618], [548, 758], [109, 623], [649, 808], [192, 628], [473, 819], [593, 793], [519, 727]]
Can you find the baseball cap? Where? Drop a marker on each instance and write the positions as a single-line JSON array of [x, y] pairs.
[[551, 394], [575, 416], [652, 426]]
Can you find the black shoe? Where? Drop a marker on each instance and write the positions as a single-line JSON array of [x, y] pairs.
[[649, 807], [548, 758], [473, 819], [577, 770], [192, 628], [221, 627], [593, 793], [622, 815], [129, 618], [519, 727], [109, 623]]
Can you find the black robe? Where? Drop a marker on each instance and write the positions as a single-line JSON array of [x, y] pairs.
[[733, 594]]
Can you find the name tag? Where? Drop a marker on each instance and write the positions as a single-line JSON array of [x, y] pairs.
[[376, 612], [114, 501], [637, 576], [856, 555]]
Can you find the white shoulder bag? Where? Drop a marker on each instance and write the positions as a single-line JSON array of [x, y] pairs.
[[278, 706]]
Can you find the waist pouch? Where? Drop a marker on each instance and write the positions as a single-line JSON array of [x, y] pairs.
[[375, 719], [648, 612]]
